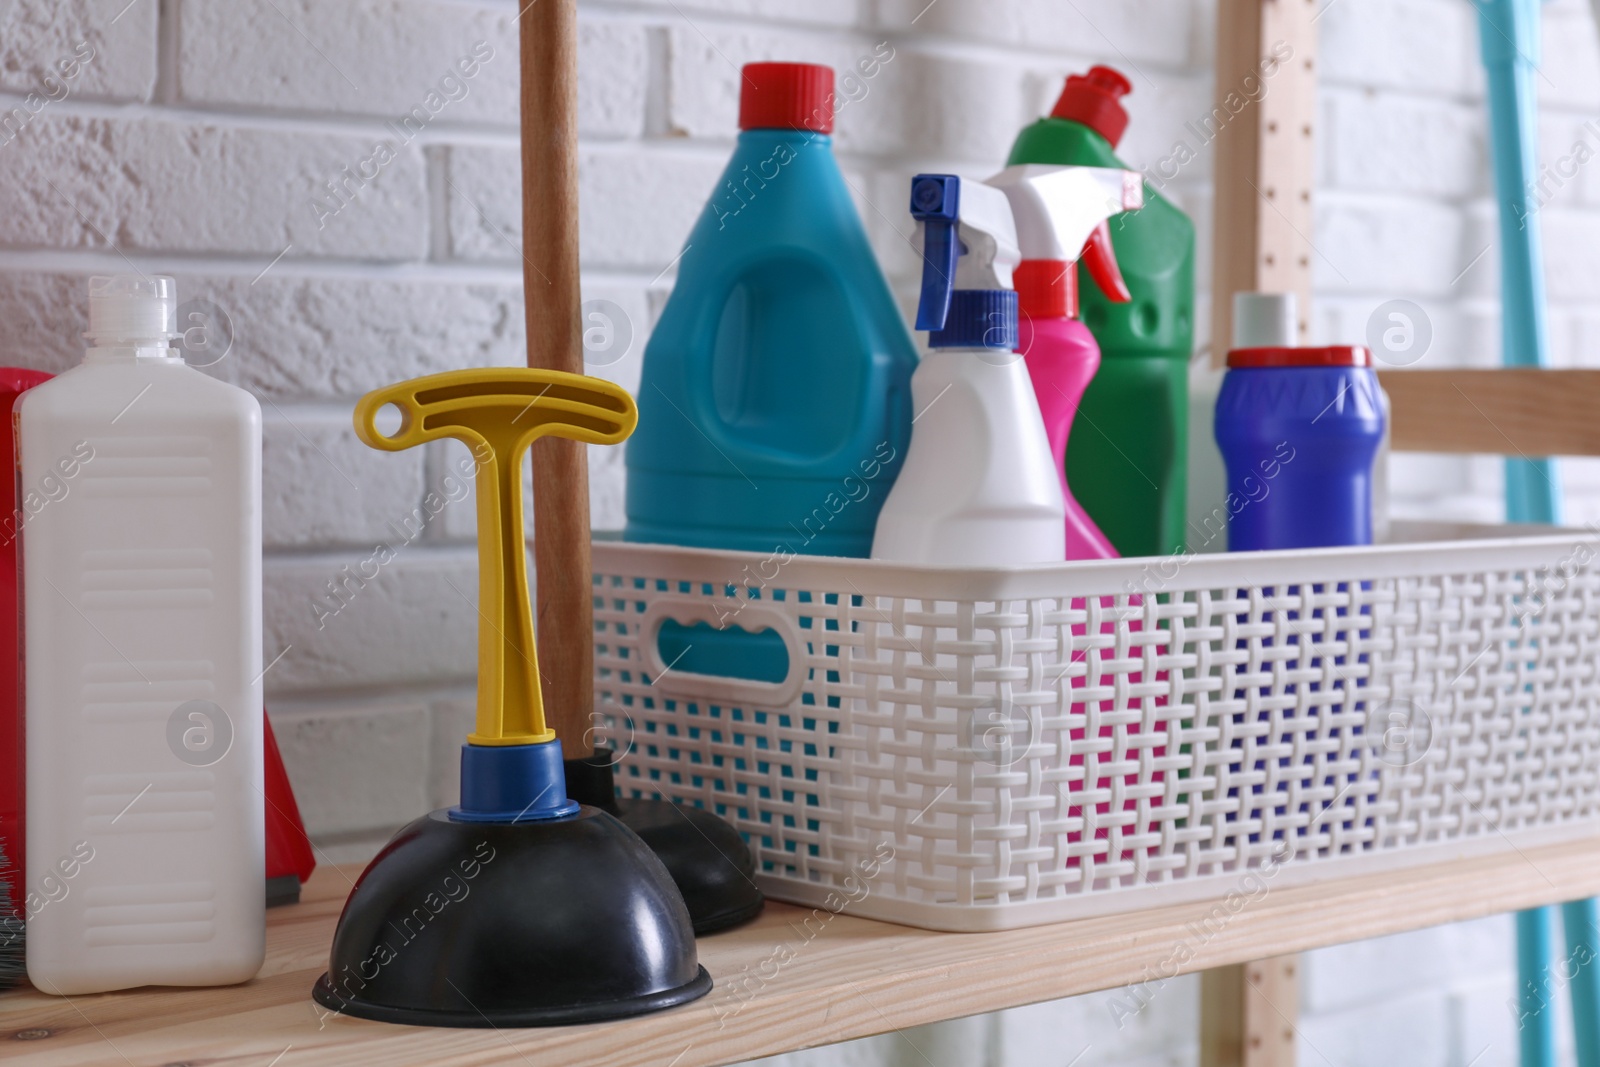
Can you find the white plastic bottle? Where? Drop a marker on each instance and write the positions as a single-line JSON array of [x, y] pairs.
[[978, 487], [142, 623]]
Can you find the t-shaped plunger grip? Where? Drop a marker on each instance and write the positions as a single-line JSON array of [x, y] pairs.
[[499, 412]]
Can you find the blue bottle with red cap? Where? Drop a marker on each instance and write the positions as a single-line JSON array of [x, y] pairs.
[[775, 397], [1299, 429]]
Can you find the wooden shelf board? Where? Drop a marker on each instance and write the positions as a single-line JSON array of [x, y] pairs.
[[849, 978], [1511, 411]]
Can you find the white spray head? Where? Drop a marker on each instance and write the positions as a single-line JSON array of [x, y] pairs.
[[973, 234], [131, 309], [1057, 208]]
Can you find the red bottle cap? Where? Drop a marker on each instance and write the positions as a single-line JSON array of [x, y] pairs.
[[1331, 356], [1094, 99], [786, 96], [1046, 288]]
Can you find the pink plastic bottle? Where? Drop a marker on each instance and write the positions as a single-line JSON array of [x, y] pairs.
[[1062, 357]]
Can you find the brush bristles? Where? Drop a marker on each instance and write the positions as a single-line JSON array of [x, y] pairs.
[[12, 962]]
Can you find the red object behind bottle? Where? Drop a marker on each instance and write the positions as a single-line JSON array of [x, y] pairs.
[[288, 848], [14, 381]]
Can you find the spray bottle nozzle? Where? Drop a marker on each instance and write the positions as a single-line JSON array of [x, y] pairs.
[[968, 241], [973, 235], [936, 202], [1061, 215], [1101, 259]]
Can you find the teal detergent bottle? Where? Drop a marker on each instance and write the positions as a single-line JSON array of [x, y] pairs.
[[775, 396]]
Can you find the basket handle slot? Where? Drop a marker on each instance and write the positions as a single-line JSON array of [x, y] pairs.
[[695, 648]]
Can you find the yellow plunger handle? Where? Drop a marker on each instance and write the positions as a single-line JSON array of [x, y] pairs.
[[499, 412]]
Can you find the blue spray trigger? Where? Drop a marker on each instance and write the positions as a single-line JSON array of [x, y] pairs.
[[936, 203]]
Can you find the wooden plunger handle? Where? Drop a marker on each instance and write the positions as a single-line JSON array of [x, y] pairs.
[[565, 608]]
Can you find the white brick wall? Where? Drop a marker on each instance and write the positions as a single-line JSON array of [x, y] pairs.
[[36, 36], [199, 140], [1404, 210]]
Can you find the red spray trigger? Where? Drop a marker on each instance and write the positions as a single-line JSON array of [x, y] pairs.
[[1101, 259]]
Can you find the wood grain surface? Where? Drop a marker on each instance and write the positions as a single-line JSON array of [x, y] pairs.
[[1263, 122], [782, 983], [1511, 411], [564, 611]]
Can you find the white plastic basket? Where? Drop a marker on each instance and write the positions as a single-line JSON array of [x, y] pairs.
[[978, 750]]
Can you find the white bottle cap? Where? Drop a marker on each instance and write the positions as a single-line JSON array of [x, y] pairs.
[[129, 309], [1264, 320]]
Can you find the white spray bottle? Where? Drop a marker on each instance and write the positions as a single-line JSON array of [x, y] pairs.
[[142, 616], [980, 486]]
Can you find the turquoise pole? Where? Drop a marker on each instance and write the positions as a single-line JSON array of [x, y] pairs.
[[1536, 1032], [1582, 970], [1509, 35], [1509, 30]]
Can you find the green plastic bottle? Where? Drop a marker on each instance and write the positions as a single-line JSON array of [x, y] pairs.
[[1128, 452]]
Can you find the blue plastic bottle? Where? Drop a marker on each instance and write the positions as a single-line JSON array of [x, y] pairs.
[[775, 397], [1299, 429], [775, 401]]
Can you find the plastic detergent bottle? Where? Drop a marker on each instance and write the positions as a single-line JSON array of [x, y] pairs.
[[1053, 205], [1260, 320], [1061, 353], [142, 629], [1126, 456], [979, 487], [1299, 429], [774, 401]]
